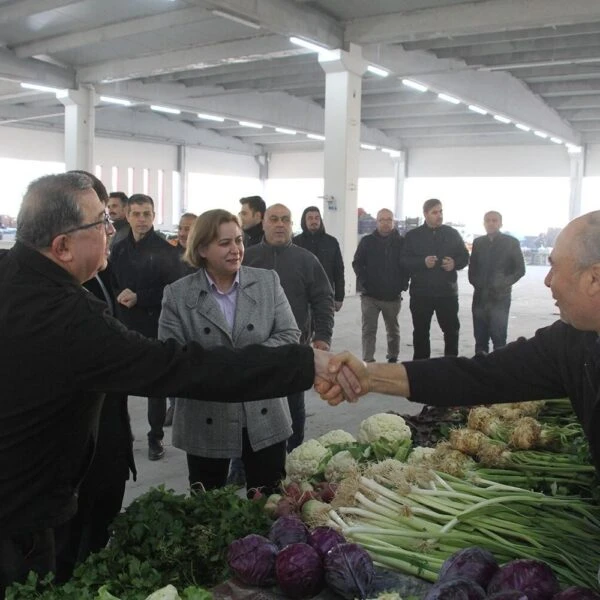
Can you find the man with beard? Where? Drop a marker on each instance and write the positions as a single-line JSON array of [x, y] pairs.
[[326, 248]]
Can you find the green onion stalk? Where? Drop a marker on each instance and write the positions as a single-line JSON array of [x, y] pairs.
[[412, 519]]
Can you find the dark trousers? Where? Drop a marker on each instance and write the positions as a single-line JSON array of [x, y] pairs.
[[89, 530], [24, 552], [446, 312], [298, 414], [157, 410], [264, 468], [490, 321]]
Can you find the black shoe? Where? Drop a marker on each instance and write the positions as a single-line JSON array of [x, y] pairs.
[[393, 359], [156, 449], [169, 417]]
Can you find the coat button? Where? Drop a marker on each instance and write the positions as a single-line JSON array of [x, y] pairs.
[[250, 327], [207, 330], [209, 421], [263, 411]]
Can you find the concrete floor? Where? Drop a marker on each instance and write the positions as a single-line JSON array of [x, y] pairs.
[[532, 308]]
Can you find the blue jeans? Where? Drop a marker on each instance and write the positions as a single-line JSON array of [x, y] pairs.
[[490, 320]]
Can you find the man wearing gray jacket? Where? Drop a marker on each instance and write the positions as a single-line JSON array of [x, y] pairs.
[[307, 288]]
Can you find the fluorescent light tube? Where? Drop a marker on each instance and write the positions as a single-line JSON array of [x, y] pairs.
[[448, 98], [315, 136], [377, 71], [250, 124], [211, 117], [119, 101], [368, 147], [235, 18], [556, 140], [540, 134], [522, 127], [308, 45], [41, 88], [572, 149], [502, 119], [284, 130], [477, 109], [165, 109], [414, 85]]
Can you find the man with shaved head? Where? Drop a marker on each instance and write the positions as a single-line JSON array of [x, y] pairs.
[[307, 288]]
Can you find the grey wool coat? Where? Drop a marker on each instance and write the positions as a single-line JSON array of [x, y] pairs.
[[262, 316]]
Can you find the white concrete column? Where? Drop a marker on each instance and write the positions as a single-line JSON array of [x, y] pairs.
[[399, 180], [343, 89], [80, 118], [122, 180], [182, 169], [138, 180], [577, 170], [170, 211]]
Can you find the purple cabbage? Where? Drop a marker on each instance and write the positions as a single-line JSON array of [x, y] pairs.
[[252, 559], [349, 571], [577, 593], [299, 571], [324, 538], [288, 530], [532, 577], [459, 588], [474, 563], [508, 595]]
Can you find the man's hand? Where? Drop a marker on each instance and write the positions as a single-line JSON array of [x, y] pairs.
[[337, 381], [127, 298], [430, 261], [448, 263], [320, 345], [337, 304]]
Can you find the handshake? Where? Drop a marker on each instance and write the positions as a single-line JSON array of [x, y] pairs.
[[343, 376]]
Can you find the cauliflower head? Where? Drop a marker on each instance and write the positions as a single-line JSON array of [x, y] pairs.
[[421, 455], [306, 461], [337, 436], [383, 426], [340, 465]]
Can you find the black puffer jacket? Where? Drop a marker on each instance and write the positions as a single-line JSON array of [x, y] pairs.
[[327, 249], [380, 271], [441, 242]]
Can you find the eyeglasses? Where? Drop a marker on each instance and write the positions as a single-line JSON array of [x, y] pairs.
[[275, 219], [106, 221]]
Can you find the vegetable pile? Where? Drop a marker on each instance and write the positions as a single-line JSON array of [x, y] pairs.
[[162, 538], [302, 563]]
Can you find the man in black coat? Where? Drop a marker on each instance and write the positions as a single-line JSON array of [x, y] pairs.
[[251, 216], [61, 351], [326, 248], [496, 264], [142, 265], [380, 278], [433, 254]]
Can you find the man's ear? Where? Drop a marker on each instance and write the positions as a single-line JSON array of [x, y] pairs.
[[594, 279], [61, 249]]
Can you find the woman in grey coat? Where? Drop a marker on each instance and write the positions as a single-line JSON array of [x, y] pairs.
[[223, 303]]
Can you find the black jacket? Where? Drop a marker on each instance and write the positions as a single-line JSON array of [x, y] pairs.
[[441, 242], [145, 267], [495, 265], [558, 361], [380, 272], [254, 235], [305, 285], [327, 249], [60, 350]]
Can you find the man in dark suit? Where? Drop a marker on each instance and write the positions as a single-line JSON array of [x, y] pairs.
[[496, 265]]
